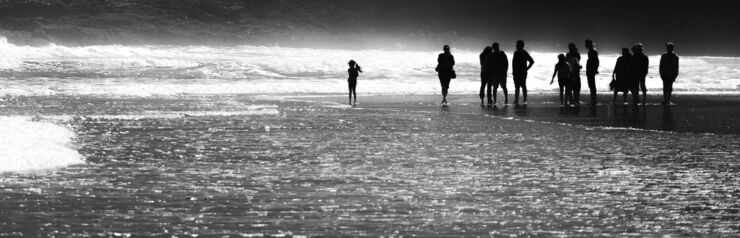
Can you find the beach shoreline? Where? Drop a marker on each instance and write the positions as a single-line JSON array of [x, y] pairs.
[[693, 113], [310, 165]]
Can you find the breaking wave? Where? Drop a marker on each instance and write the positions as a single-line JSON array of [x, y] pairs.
[[29, 145], [167, 70]]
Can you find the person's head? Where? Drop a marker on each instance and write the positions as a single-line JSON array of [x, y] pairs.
[[572, 47], [561, 57], [625, 51], [520, 45], [495, 47], [637, 48], [669, 47], [446, 48], [352, 63], [589, 44], [488, 49]]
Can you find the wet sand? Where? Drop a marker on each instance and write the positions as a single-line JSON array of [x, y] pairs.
[[698, 113], [389, 167]]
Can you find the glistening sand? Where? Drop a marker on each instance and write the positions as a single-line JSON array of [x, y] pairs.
[[277, 166]]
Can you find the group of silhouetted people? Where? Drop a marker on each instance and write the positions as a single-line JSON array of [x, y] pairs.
[[494, 66], [629, 73], [568, 72], [631, 69]]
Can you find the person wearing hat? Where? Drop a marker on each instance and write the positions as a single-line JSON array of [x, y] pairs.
[[668, 72]]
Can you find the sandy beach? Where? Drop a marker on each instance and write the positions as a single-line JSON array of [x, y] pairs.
[[695, 113], [248, 165], [229, 118]]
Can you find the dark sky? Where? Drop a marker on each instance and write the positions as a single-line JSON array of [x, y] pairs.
[[710, 27]]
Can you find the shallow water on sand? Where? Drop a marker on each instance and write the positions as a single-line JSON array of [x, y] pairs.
[[311, 168]]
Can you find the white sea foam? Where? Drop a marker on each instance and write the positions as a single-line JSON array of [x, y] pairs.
[[28, 145], [182, 114], [171, 70], [244, 111]]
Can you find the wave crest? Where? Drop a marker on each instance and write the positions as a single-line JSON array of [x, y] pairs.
[[55, 69], [29, 145]]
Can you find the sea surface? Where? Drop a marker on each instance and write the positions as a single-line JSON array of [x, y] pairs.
[[241, 141], [172, 70]]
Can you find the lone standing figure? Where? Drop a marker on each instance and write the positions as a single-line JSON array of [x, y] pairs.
[[592, 69], [521, 63], [668, 72], [445, 71], [353, 71]]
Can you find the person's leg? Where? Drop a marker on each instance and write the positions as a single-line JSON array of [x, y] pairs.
[[670, 90], [644, 90], [350, 93], [523, 84], [494, 93], [503, 87], [635, 94], [445, 89], [354, 91], [483, 81], [569, 95], [517, 87], [592, 86], [577, 91], [489, 89], [442, 84], [624, 96], [665, 92], [614, 99], [562, 87]]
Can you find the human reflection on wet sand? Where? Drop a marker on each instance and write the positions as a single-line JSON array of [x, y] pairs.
[[592, 110], [520, 109], [667, 119], [697, 118], [573, 111]]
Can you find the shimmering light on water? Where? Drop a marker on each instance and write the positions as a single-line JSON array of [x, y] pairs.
[[313, 169], [172, 70]]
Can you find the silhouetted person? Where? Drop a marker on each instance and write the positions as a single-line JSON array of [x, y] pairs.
[[592, 68], [668, 72], [639, 69], [354, 71], [520, 64], [574, 58], [621, 74], [499, 66], [485, 75], [444, 69], [562, 71]]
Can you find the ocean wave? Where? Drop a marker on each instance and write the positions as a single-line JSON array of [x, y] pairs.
[[164, 70], [31, 145]]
